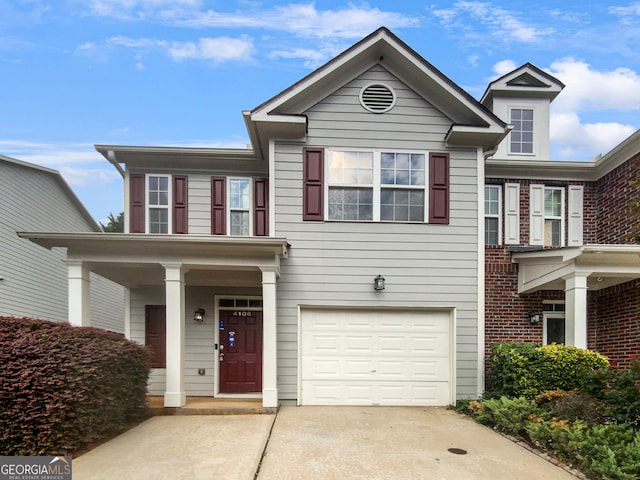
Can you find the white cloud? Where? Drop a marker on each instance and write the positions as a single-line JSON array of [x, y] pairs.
[[632, 10], [501, 24], [589, 89], [217, 50], [576, 141], [503, 67]]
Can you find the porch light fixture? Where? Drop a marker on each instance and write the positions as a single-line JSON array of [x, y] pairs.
[[534, 317], [198, 316], [378, 283]]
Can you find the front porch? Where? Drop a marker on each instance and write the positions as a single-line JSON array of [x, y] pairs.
[[576, 270], [165, 268]]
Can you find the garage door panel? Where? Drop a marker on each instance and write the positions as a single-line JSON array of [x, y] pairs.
[[388, 394], [357, 357]]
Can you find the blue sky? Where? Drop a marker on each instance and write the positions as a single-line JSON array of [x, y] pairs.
[[74, 73]]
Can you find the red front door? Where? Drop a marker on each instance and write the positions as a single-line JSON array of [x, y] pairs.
[[240, 351]]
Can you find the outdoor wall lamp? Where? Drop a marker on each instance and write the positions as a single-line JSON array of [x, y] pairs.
[[378, 283], [198, 316], [534, 317]]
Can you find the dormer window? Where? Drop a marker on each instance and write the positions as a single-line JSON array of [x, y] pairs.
[[521, 137]]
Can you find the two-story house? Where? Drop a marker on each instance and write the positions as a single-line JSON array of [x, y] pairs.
[[341, 259], [33, 281]]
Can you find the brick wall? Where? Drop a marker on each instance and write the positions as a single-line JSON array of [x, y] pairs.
[[506, 312], [615, 329]]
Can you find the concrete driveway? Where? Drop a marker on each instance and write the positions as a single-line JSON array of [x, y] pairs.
[[311, 443]]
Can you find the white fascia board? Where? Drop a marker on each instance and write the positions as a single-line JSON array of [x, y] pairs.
[[541, 169]]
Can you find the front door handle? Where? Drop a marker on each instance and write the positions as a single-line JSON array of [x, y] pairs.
[[221, 357]]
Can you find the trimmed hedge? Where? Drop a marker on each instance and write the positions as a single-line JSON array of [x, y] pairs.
[[63, 388], [526, 369]]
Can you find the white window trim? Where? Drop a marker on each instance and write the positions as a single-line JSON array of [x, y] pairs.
[[537, 216], [497, 215], [533, 133], [551, 314], [228, 202], [562, 214], [148, 206], [377, 186]]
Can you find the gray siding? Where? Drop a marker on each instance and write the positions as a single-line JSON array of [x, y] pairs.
[[35, 279], [334, 263], [199, 204]]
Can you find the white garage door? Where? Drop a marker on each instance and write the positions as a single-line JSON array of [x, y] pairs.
[[362, 357]]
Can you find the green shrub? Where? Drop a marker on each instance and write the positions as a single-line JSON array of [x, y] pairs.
[[506, 414], [574, 405], [610, 452], [619, 388], [524, 369], [64, 387]]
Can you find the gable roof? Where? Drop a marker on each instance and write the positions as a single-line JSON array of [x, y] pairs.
[[283, 115], [63, 185], [525, 81]]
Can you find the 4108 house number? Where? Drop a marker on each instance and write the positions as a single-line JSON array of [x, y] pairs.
[[242, 313]]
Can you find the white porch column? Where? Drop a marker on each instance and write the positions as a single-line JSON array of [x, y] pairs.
[[576, 309], [79, 293], [175, 395], [269, 340]]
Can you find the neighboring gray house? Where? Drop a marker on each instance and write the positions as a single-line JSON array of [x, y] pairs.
[[34, 281], [251, 271]]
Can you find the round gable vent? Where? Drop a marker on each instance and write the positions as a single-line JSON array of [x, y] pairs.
[[377, 98]]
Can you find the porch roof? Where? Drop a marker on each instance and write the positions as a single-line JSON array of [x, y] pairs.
[[604, 265], [137, 259]]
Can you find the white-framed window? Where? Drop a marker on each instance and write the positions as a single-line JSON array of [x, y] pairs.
[[553, 217], [385, 185], [240, 202], [547, 216], [492, 214], [553, 327], [158, 189], [521, 137]]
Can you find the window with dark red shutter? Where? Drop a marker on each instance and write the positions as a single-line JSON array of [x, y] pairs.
[[313, 173], [218, 206], [155, 334], [180, 210], [260, 210], [136, 203], [439, 188]]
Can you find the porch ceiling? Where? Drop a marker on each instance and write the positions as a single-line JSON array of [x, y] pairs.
[[604, 266], [132, 260]]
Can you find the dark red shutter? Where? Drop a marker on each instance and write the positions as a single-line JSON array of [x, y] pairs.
[[260, 210], [180, 210], [439, 188], [218, 206], [313, 173], [155, 334], [136, 203]]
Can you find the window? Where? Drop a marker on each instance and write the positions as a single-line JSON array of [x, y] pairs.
[[521, 137], [158, 195], [547, 215], [350, 185], [379, 186], [492, 208], [240, 206], [553, 216], [554, 323]]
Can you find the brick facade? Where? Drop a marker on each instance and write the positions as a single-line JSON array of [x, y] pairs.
[[613, 313]]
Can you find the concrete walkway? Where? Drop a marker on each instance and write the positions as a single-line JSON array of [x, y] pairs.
[[309, 443]]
